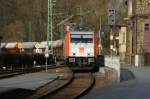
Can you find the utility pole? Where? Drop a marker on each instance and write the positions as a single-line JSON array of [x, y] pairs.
[[50, 26], [0, 42], [81, 14], [62, 28], [49, 31], [100, 42], [30, 38], [81, 17]]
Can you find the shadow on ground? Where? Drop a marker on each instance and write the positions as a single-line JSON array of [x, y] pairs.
[[126, 75], [16, 94]]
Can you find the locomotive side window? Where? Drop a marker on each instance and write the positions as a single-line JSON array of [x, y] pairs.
[[81, 38]]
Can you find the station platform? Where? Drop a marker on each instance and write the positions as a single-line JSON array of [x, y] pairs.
[[26, 83], [131, 87]]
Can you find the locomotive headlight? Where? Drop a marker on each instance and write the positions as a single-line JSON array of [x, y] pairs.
[[72, 53], [90, 54]]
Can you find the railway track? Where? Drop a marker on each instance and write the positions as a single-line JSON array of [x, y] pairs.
[[14, 72], [78, 86], [11, 74], [66, 76], [81, 84], [69, 85]]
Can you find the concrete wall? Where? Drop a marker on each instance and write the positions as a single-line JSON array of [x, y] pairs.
[[113, 62]]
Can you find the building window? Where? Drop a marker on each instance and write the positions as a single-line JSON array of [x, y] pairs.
[[147, 27]]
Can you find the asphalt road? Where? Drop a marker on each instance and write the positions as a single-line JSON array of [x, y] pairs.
[[138, 88]]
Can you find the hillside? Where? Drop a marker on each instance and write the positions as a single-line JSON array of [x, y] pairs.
[[26, 20]]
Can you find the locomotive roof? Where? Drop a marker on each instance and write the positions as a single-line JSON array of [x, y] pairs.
[[81, 32]]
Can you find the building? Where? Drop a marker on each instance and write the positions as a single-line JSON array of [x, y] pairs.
[[138, 33], [122, 43]]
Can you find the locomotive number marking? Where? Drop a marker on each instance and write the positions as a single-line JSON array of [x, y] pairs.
[[81, 50]]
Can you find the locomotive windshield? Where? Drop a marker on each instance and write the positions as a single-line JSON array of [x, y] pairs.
[[82, 38]]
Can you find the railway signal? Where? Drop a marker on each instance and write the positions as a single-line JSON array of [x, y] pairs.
[[111, 40], [111, 16]]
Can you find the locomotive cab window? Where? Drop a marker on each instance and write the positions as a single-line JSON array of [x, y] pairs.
[[81, 38]]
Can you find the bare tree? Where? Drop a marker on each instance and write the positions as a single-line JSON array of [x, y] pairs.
[[30, 16]]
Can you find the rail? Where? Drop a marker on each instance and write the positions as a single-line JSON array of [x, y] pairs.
[[14, 72], [77, 87]]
